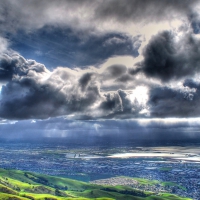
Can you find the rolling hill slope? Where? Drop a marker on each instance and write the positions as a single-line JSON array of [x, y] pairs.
[[19, 185]]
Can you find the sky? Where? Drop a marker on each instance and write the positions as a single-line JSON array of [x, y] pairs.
[[100, 68]]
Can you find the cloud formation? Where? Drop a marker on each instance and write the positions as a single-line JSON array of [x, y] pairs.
[[86, 14], [15, 64], [32, 91], [174, 102], [146, 10], [169, 56], [84, 37]]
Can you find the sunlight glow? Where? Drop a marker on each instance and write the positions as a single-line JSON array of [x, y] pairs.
[[0, 88], [140, 94]]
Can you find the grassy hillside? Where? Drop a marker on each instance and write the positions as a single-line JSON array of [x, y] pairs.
[[19, 185]]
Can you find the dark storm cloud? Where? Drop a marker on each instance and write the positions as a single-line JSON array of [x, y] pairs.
[[146, 10], [191, 84], [166, 58], [112, 102], [114, 71], [118, 105], [194, 20], [17, 65], [84, 80], [28, 98], [135, 71], [41, 101], [171, 102], [6, 69]]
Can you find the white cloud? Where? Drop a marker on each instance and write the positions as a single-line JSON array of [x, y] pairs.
[[3, 45]]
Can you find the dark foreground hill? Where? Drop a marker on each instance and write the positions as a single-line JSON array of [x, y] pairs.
[[19, 185]]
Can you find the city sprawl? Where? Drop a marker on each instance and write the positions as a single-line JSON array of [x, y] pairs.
[[171, 169]]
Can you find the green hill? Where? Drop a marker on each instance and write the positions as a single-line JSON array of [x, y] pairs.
[[19, 185]]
